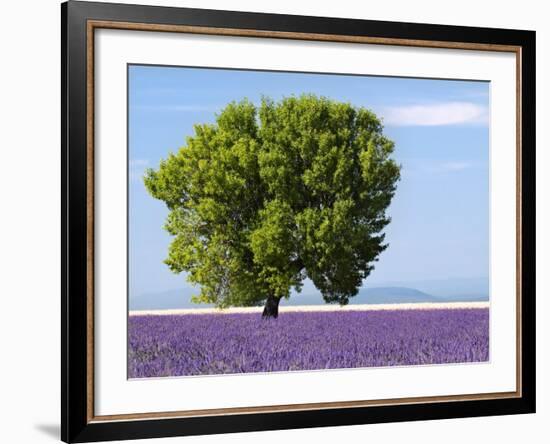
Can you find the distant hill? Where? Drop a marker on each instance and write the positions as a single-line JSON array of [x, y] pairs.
[[372, 295], [376, 295], [397, 295], [392, 295], [449, 289], [171, 299]]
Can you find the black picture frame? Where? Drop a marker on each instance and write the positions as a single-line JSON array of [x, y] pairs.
[[76, 423]]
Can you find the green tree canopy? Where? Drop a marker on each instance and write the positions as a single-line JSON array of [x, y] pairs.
[[271, 194]]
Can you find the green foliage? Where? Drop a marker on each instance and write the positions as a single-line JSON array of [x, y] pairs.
[[270, 195]]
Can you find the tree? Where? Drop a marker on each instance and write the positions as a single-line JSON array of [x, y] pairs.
[[269, 195]]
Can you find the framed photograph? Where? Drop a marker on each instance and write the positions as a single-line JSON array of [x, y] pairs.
[[275, 221]]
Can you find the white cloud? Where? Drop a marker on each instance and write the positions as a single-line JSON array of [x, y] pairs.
[[137, 168], [455, 166], [171, 91], [139, 163], [181, 108], [438, 114], [423, 168]]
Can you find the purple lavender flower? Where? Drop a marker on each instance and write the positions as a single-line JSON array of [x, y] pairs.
[[202, 344]]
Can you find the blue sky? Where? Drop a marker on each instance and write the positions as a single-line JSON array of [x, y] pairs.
[[440, 214]]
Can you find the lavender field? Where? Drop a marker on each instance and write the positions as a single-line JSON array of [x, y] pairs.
[[203, 344]]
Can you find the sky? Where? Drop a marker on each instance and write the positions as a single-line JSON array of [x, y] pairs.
[[440, 212]]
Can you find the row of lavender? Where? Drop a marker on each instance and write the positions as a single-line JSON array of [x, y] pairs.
[[201, 344]]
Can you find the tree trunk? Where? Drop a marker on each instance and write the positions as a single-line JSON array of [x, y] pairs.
[[271, 309]]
